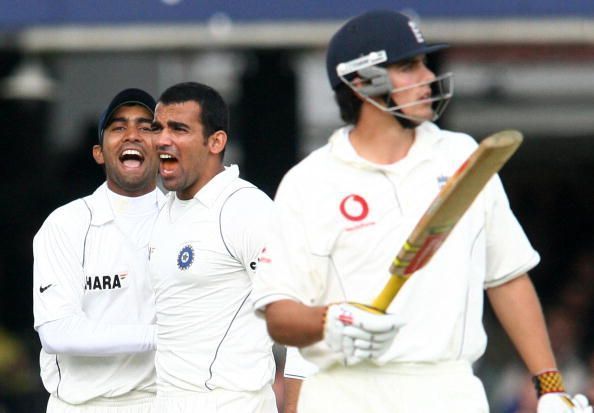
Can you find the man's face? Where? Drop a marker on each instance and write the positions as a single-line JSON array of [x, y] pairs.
[[182, 147], [404, 76], [130, 160]]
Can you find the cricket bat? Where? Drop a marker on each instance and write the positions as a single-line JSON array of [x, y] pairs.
[[447, 208]]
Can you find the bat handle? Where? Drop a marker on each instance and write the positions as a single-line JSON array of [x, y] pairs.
[[383, 300]]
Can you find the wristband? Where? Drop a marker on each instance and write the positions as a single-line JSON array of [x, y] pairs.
[[549, 381]]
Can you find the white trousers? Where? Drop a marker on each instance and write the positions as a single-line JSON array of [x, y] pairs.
[[217, 401], [449, 387], [137, 403]]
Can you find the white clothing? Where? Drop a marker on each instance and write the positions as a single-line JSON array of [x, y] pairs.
[[296, 367], [140, 402], [448, 387], [343, 219], [219, 401], [88, 268], [203, 256], [78, 336]]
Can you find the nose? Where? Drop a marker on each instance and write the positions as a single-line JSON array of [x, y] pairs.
[[132, 134], [161, 139], [428, 74]]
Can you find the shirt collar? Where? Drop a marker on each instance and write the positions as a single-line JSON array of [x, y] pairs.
[[426, 135], [209, 193], [101, 207]]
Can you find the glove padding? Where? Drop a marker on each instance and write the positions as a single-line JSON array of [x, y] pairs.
[[563, 403], [358, 331]]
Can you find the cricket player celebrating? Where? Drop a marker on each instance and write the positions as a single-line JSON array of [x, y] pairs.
[[213, 353], [93, 304], [345, 211]]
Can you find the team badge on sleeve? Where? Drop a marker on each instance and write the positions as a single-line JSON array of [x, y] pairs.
[[185, 258]]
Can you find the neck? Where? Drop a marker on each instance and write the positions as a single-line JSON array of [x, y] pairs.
[[191, 191], [123, 205], [131, 192], [379, 137]]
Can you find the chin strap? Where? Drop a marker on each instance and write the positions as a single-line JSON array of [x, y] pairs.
[[548, 381]]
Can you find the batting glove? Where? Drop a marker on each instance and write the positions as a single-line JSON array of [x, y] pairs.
[[359, 332], [552, 397], [563, 403]]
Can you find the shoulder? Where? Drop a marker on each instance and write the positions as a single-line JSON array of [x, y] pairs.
[[308, 173], [456, 146], [71, 213], [447, 138], [246, 212], [69, 220], [246, 199]]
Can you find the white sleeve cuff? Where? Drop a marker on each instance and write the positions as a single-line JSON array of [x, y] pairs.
[[260, 303], [297, 367]]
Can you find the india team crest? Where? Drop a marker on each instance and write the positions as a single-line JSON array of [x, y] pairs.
[[185, 258]]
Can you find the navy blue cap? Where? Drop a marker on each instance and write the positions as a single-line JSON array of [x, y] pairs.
[[373, 31], [125, 97]]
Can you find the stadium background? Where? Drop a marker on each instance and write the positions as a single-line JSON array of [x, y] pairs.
[[527, 65]]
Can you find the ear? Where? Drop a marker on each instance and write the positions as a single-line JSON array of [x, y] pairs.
[[98, 154], [217, 142]]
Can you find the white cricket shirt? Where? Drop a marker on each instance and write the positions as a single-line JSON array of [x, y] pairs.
[[90, 261], [343, 219], [203, 256]]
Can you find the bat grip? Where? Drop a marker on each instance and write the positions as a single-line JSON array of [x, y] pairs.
[[383, 300]]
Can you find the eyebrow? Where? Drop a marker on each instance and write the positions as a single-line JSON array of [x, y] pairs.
[[174, 124]]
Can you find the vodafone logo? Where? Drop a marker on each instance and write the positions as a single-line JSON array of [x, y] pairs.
[[354, 207]]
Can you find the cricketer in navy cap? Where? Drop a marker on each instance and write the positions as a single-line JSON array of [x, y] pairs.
[[125, 97]]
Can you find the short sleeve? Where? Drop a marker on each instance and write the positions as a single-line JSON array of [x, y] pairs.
[[509, 252], [246, 225], [296, 367], [288, 269]]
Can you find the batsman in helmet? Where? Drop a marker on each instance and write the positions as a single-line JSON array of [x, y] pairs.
[[347, 208]]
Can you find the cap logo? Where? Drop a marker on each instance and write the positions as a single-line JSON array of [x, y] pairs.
[[416, 31]]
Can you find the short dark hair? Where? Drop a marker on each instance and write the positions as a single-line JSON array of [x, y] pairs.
[[349, 104], [214, 113]]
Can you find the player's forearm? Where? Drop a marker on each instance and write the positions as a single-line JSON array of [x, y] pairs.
[[292, 389], [518, 309], [295, 324], [79, 336]]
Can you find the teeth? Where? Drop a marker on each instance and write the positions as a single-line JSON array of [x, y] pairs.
[[165, 156], [131, 152]]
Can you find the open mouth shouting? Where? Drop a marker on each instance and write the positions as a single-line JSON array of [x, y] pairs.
[[131, 158], [168, 163]]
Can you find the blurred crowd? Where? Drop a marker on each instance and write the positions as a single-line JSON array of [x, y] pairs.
[[569, 311]]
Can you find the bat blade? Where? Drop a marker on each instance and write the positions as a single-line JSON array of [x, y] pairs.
[[447, 208]]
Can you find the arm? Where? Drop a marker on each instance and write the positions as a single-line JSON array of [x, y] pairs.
[[518, 309], [296, 370], [79, 336], [351, 330], [60, 320], [294, 324], [292, 388]]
